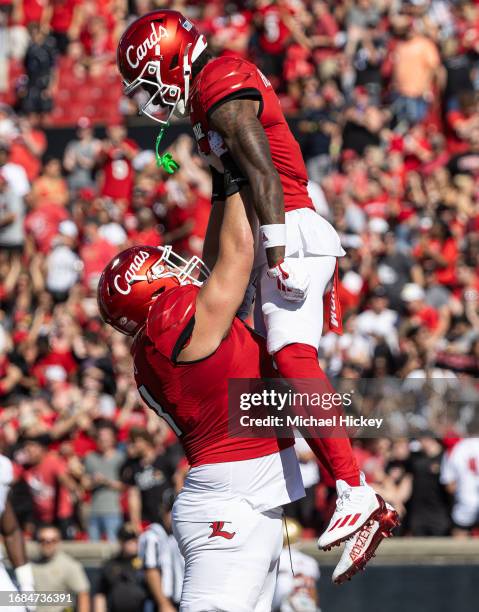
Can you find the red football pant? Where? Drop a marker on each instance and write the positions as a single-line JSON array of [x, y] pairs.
[[334, 453]]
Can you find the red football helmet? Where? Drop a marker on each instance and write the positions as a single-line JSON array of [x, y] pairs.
[[156, 52], [135, 277]]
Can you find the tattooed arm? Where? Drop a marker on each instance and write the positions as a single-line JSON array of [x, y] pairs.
[[237, 122]]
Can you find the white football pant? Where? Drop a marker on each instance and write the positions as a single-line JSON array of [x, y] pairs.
[[231, 573]]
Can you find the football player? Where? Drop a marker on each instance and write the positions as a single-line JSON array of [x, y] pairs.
[[227, 519], [241, 130]]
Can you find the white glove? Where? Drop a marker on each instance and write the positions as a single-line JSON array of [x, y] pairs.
[[291, 278]]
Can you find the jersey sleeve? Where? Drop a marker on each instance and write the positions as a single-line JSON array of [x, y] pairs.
[[228, 78], [148, 550], [171, 320]]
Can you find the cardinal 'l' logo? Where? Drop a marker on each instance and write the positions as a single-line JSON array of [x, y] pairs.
[[217, 530]]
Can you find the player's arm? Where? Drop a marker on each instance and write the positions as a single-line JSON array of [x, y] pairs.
[[224, 183], [12, 535], [220, 297], [83, 601], [15, 547], [134, 506], [153, 581], [211, 244], [99, 603], [237, 122]]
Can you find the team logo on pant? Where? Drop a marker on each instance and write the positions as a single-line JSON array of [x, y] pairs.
[[217, 530]]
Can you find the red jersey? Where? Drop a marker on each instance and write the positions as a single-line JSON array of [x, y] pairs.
[[274, 33], [193, 397], [118, 172], [42, 223], [20, 154], [429, 317], [62, 14], [33, 11], [95, 256], [51, 499], [230, 77], [229, 30]]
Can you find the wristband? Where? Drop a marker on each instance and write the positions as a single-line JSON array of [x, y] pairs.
[[273, 235], [24, 577]]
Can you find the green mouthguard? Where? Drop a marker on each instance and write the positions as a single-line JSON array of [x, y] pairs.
[[166, 160]]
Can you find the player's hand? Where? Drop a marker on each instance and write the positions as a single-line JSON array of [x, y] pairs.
[[291, 278]]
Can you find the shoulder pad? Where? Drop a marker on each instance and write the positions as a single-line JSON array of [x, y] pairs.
[[6, 471], [170, 318], [227, 77]]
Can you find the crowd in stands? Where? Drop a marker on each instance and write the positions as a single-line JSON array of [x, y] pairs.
[[383, 96]]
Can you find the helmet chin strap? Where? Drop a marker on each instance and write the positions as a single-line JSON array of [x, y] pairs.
[[166, 160]]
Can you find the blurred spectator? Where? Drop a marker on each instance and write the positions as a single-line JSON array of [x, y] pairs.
[[379, 322], [148, 475], [51, 486], [55, 570], [12, 216], [428, 507], [363, 124], [115, 160], [95, 252], [102, 478], [63, 266], [295, 590], [437, 251], [13, 173], [394, 270], [277, 26], [50, 187], [231, 31], [304, 510], [421, 315], [80, 156], [122, 585], [29, 144], [162, 560], [460, 474], [319, 129], [39, 64], [64, 17], [416, 71]]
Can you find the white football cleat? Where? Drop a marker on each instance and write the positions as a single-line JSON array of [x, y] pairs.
[[355, 507], [362, 547]]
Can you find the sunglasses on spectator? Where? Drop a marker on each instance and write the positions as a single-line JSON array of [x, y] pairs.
[[48, 540]]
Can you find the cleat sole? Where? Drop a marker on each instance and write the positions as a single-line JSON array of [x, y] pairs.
[[389, 521]]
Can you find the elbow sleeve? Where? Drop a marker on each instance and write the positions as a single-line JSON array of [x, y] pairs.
[[229, 182]]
